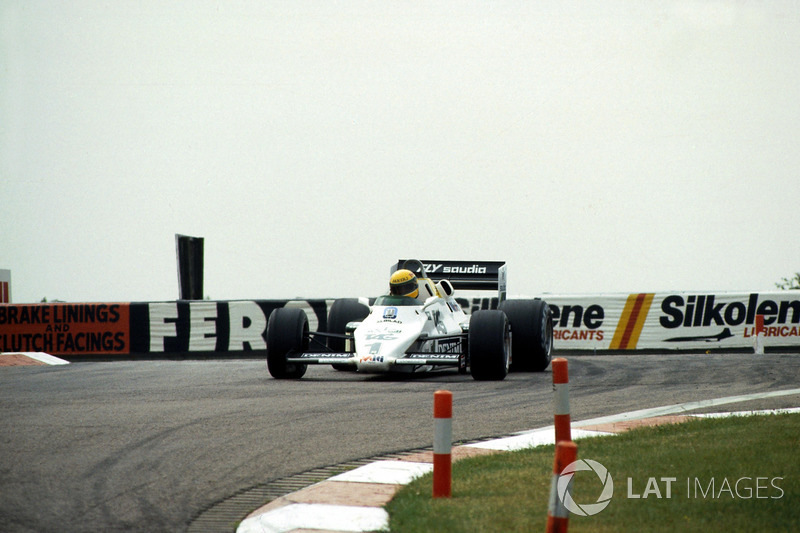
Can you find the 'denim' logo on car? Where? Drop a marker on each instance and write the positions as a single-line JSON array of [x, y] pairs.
[[586, 509]]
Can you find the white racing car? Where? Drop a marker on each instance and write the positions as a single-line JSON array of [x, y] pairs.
[[419, 326]]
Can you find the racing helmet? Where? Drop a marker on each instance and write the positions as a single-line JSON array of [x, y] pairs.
[[404, 283]]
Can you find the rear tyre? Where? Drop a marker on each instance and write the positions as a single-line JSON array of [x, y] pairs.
[[532, 333], [489, 345], [342, 311], [287, 334]]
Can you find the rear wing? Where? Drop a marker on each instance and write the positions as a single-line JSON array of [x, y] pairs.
[[466, 275]]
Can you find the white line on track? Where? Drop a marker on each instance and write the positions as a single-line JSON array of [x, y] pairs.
[[317, 516], [41, 357], [388, 472], [682, 407]]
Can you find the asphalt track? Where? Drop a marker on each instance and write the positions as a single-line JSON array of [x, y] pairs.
[[147, 445]]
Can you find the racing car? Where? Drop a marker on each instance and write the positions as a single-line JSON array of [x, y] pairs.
[[419, 326]]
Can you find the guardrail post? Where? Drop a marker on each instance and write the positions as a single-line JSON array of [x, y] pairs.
[[561, 399], [442, 443], [557, 513]]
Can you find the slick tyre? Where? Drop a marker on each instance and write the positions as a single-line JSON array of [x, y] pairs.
[[342, 311], [532, 334], [489, 345], [287, 334]]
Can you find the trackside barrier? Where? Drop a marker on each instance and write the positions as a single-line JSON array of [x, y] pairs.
[[557, 513], [236, 328], [442, 443], [561, 399]]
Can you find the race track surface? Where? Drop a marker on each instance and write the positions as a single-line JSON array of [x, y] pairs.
[[147, 445]]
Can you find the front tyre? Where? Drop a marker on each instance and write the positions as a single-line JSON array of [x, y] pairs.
[[343, 311], [489, 345], [532, 330], [287, 334]]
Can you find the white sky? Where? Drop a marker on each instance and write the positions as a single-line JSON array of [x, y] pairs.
[[611, 146]]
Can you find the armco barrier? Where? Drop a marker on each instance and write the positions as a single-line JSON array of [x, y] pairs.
[[668, 321]]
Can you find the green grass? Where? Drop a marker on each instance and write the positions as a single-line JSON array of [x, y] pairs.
[[509, 492]]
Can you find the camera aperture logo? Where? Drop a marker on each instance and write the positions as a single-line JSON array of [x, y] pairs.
[[744, 488], [565, 481]]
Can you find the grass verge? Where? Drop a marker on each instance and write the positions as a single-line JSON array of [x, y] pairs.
[[727, 474]]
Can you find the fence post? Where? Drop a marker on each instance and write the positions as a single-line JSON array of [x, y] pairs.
[[442, 443]]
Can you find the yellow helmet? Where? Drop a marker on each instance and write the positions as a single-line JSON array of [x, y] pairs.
[[404, 283]]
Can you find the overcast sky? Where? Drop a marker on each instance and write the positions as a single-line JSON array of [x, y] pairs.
[[594, 146]]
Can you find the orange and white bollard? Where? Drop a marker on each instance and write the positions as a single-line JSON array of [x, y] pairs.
[[760, 332], [557, 513], [561, 399], [442, 443]]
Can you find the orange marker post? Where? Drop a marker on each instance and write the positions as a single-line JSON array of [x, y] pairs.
[[442, 443], [557, 513], [760, 332], [561, 399]]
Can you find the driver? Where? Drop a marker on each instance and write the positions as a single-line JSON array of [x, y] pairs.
[[404, 283]]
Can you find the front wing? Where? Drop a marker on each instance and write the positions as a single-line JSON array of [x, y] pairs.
[[417, 358], [449, 358]]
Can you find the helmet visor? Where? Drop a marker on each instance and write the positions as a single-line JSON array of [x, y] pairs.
[[404, 288]]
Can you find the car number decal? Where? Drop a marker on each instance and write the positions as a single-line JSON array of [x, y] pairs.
[[380, 337]]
